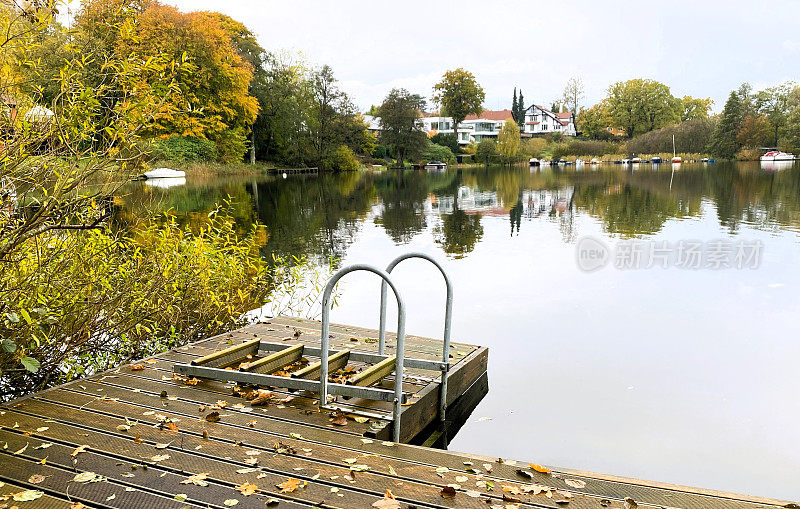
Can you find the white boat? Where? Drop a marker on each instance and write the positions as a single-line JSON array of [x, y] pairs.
[[533, 162], [626, 161], [163, 173], [676, 159], [776, 155], [595, 160], [636, 160], [435, 165], [578, 161]]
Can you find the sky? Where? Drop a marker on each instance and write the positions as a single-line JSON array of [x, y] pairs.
[[699, 48]]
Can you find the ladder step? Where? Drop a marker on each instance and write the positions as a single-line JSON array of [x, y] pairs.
[[374, 373], [228, 356], [275, 361], [335, 362]]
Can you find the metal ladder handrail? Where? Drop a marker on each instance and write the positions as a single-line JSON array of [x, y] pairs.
[[401, 337], [448, 315]]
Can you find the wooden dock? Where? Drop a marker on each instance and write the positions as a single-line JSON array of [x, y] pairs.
[[137, 437]]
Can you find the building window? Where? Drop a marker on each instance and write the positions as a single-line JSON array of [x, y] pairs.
[[544, 127], [434, 126]]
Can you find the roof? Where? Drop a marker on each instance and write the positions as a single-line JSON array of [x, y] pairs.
[[565, 115], [500, 115]]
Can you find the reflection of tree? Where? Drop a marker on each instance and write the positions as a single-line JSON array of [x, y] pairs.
[[403, 195], [458, 232], [316, 216], [628, 210]]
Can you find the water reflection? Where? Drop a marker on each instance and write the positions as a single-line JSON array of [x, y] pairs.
[[320, 216]]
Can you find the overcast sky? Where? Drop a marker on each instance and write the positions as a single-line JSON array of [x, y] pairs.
[[699, 48]]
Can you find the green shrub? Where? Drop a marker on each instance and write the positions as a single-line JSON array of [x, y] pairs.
[[184, 149], [343, 159], [447, 140], [486, 150], [83, 301], [436, 152]]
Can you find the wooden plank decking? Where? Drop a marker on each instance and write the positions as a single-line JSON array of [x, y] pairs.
[[146, 436]]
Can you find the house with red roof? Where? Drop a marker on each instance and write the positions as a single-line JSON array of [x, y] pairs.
[[540, 120]]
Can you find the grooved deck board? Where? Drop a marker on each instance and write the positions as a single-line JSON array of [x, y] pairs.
[[121, 416]]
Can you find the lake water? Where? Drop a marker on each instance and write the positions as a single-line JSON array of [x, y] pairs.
[[683, 375]]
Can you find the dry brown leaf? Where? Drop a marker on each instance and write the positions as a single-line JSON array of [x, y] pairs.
[[213, 417], [137, 367], [262, 398], [290, 485], [339, 419], [247, 488], [222, 403], [80, 449], [76, 505], [448, 492], [36, 478]]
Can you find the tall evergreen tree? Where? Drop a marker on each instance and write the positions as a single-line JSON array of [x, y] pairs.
[[520, 110], [514, 106], [723, 141]]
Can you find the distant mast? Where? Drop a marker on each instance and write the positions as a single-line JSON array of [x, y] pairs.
[[675, 158]]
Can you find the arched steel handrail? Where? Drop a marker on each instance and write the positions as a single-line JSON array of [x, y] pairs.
[[401, 337], [448, 315]]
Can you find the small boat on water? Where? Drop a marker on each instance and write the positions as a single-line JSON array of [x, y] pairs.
[[656, 160], [435, 165], [777, 155], [533, 162], [163, 173], [636, 160], [595, 160], [626, 161]]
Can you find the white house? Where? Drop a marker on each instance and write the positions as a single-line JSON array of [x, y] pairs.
[[539, 120], [474, 128]]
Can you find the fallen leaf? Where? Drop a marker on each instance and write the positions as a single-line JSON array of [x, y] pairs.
[[461, 478], [160, 457], [27, 495], [137, 367], [630, 503], [262, 398], [76, 505], [387, 502], [575, 483], [539, 468], [290, 485], [222, 403], [181, 497], [36, 478], [213, 417], [247, 488], [85, 477], [448, 492], [339, 419], [80, 449], [42, 429], [22, 450], [196, 479]]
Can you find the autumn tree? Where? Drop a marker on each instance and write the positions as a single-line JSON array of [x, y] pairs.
[[574, 93], [459, 95], [508, 139], [401, 129], [486, 150], [756, 131]]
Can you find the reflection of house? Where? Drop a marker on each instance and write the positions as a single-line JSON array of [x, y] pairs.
[[544, 201], [539, 120], [469, 200]]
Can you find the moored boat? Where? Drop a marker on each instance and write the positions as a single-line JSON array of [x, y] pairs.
[[435, 165], [163, 173], [777, 155], [655, 160], [533, 162]]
